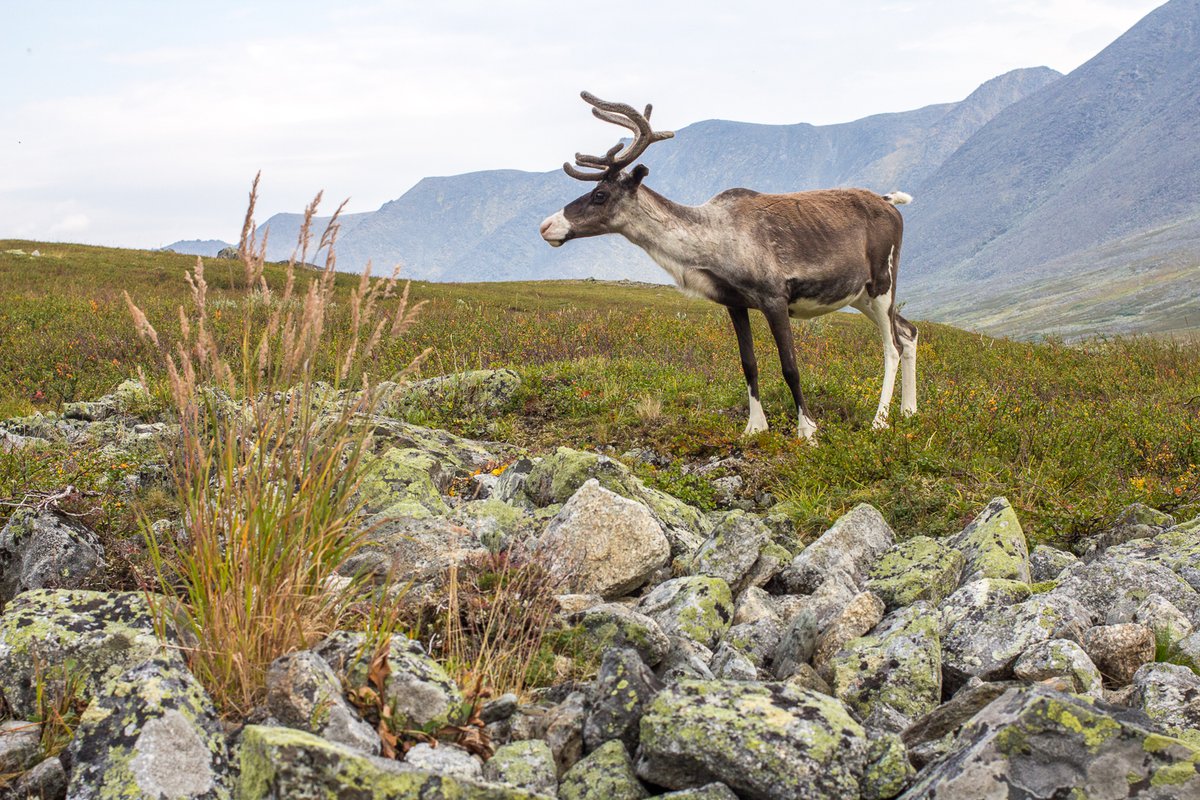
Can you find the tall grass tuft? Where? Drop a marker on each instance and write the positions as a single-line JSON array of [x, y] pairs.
[[268, 461]]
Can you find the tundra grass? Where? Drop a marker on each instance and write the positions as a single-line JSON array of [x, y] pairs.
[[1070, 434]]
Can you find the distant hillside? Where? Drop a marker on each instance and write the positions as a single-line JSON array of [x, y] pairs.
[[197, 247]]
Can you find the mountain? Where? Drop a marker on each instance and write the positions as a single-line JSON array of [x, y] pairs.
[[197, 247], [1093, 164], [483, 225]]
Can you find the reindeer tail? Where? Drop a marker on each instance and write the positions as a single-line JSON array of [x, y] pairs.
[[898, 198]]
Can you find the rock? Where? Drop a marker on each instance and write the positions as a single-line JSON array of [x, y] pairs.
[[685, 526], [994, 545], [564, 730], [1045, 563], [711, 791], [771, 560], [604, 543], [150, 732], [20, 745], [614, 625], [731, 664], [556, 478], [685, 660], [413, 549], [797, 644], [697, 607], [892, 677], [1039, 743], [623, 688], [1187, 652], [419, 691], [846, 552], [480, 391], [753, 605], [93, 636], [732, 550], [888, 768], [1117, 581], [920, 568], [1119, 650], [1062, 664], [495, 524], [47, 550], [762, 740], [861, 615], [46, 781], [1170, 695], [757, 640], [527, 765], [935, 734], [284, 762], [499, 709], [304, 692], [404, 483], [1135, 521], [806, 677], [605, 774], [445, 759], [1177, 549], [1161, 616]]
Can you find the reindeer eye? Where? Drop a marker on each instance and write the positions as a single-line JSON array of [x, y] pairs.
[[599, 197]]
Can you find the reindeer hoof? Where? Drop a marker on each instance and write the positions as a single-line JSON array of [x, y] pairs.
[[880, 424], [807, 430], [753, 428]]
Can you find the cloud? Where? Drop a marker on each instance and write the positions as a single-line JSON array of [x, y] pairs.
[[71, 223]]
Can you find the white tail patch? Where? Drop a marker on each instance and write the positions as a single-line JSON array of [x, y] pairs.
[[898, 198]]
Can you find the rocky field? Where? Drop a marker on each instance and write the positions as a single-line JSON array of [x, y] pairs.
[[711, 654]]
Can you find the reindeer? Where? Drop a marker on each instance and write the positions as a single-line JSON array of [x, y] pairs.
[[788, 255]]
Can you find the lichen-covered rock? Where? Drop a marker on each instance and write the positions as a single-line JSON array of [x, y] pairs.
[[623, 688], [1177, 548], [994, 545], [284, 762], [614, 625], [757, 640], [755, 604], [557, 477], [806, 677], [1063, 664], [1161, 616], [445, 759], [711, 791], [859, 616], [845, 552], [1187, 652], [47, 550], [419, 691], [771, 560], [888, 769], [20, 745], [413, 549], [150, 732], [1136, 521], [796, 645], [481, 390], [686, 526], [731, 664], [763, 740], [936, 734], [1046, 562], [1119, 650], [697, 607], [603, 543], [1117, 581], [495, 524], [893, 676], [527, 765], [685, 660], [1170, 695], [404, 482], [564, 730], [732, 549], [1005, 752], [920, 568], [130, 397], [604, 774], [304, 692], [94, 636], [45, 781]]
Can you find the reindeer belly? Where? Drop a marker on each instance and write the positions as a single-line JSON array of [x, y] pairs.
[[807, 308]]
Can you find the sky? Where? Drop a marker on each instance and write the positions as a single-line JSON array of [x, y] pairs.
[[137, 124]]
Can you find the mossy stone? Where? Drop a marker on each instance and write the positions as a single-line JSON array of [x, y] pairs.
[[919, 568], [604, 774]]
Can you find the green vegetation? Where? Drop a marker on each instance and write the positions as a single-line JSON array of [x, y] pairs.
[[1070, 434]]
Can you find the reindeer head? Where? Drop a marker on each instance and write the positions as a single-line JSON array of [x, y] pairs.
[[602, 209]]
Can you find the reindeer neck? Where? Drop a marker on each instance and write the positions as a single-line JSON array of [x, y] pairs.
[[679, 238]]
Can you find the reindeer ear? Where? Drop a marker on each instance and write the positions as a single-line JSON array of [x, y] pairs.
[[639, 172]]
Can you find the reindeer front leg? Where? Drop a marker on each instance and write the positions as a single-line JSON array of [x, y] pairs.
[[781, 329], [745, 338]]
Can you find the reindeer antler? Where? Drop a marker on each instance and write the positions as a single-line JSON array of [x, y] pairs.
[[615, 159]]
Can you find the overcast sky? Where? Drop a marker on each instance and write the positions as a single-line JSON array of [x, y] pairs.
[[139, 123]]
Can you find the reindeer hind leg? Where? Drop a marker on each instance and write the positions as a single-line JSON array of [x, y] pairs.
[[906, 335]]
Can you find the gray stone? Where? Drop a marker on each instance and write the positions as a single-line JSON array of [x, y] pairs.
[[47, 550], [732, 550], [1063, 665], [888, 768], [711, 791], [604, 774], [46, 781], [564, 730], [1117, 581], [936, 734], [753, 605], [685, 660], [20, 745], [445, 759], [920, 568], [1046, 563], [527, 765], [499, 709], [697, 607], [846, 552], [806, 677], [1170, 696], [796, 645], [481, 391], [858, 617], [304, 692], [731, 664], [614, 625], [556, 477], [762, 740], [1119, 650], [1036, 742], [1161, 616], [757, 641], [893, 676], [623, 688], [1136, 521], [603, 543], [150, 732], [994, 545]]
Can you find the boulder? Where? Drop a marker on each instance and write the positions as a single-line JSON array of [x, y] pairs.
[[796, 645], [858, 617], [614, 625], [45, 781], [304, 692], [763, 740], [1062, 664], [757, 640], [920, 568], [1136, 521], [47, 550], [936, 734], [445, 759], [20, 745], [557, 477], [846, 552], [685, 660], [1170, 695], [893, 676], [564, 730], [697, 607], [732, 549], [1117, 581], [1119, 650], [603, 543], [482, 391], [731, 664], [52, 635], [604, 774], [1039, 743], [150, 732], [711, 791], [623, 688], [527, 765], [1161, 616], [888, 768], [994, 545], [1046, 563], [420, 550]]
